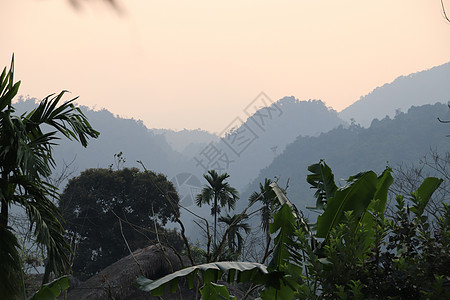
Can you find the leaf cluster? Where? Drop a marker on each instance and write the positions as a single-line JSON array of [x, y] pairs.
[[102, 207], [356, 252], [25, 161]]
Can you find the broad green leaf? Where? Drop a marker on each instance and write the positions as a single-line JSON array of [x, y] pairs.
[[210, 272], [321, 179], [282, 279], [377, 205], [282, 199], [423, 194], [284, 291], [52, 290], [213, 291], [383, 184], [284, 222], [355, 196]]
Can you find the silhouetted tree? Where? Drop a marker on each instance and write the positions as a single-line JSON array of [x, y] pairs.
[[220, 193], [105, 210], [25, 160], [234, 237], [266, 197]]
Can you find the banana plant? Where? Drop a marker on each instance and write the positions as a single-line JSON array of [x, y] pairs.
[[210, 273], [321, 178], [280, 278], [52, 290], [365, 194], [286, 276]]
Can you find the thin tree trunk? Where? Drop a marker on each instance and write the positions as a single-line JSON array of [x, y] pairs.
[[46, 277], [4, 214], [5, 205], [215, 218]]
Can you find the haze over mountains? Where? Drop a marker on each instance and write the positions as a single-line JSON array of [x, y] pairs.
[[187, 141], [280, 139], [257, 141], [173, 153], [388, 142], [425, 87]]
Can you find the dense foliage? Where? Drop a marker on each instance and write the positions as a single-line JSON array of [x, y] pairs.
[[25, 160], [108, 213], [355, 252]]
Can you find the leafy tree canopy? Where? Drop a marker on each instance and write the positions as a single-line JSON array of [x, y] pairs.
[[105, 210]]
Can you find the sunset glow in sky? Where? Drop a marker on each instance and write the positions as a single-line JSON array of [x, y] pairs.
[[197, 64]]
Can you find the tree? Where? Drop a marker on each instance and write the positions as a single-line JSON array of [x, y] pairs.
[[220, 192], [267, 197], [234, 237], [408, 177], [25, 159], [110, 213], [354, 252]]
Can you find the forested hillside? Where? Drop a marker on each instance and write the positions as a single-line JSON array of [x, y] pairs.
[[404, 139], [265, 135]]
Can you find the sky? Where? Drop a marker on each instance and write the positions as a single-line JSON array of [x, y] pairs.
[[197, 64]]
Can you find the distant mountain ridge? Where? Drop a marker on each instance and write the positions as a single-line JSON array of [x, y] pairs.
[[174, 152], [258, 140], [128, 136], [181, 140], [404, 139], [156, 147], [425, 87]]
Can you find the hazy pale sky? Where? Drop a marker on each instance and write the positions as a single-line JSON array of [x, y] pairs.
[[197, 64]]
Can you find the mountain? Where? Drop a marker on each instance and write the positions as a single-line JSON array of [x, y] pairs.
[[185, 141], [248, 146], [426, 87], [245, 148], [404, 139], [128, 136]]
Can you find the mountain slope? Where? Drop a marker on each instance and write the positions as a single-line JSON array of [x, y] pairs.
[[249, 146], [128, 136], [405, 139], [426, 87], [184, 141]]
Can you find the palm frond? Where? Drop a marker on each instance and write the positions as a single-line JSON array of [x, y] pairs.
[[11, 280], [66, 118], [25, 158], [44, 219]]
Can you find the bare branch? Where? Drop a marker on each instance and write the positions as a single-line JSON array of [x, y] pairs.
[[445, 15], [126, 243]]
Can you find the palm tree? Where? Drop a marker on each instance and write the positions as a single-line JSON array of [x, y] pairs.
[[235, 225], [220, 192], [25, 159], [266, 196]]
